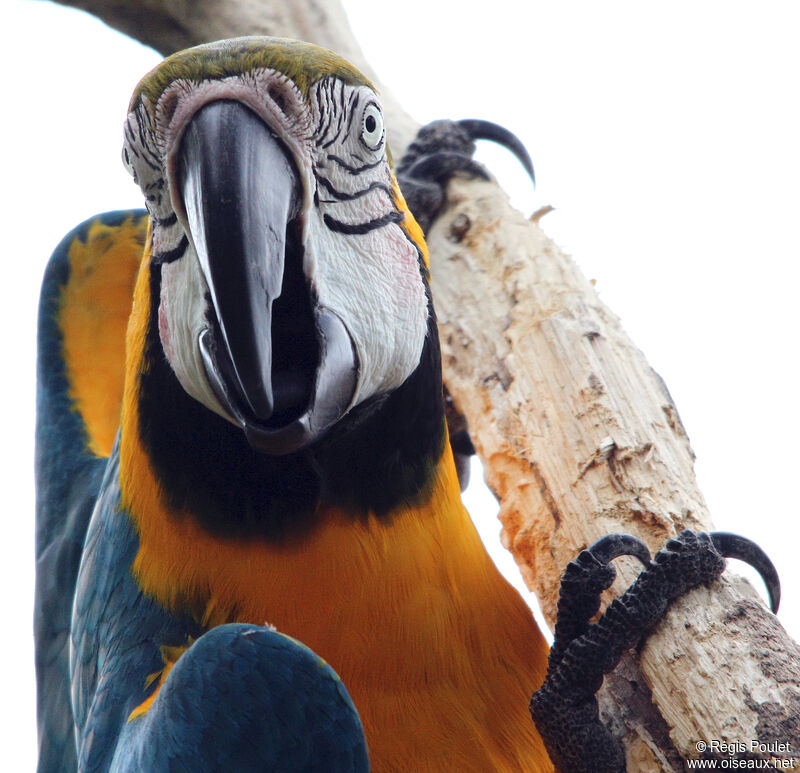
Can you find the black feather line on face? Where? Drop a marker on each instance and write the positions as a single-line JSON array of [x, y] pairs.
[[166, 222], [327, 112], [354, 169], [352, 110], [342, 196], [170, 256], [337, 226]]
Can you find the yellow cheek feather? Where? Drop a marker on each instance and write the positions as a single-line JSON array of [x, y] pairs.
[[94, 311], [409, 224], [439, 653]]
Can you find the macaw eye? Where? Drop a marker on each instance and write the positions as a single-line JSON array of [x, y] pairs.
[[372, 126]]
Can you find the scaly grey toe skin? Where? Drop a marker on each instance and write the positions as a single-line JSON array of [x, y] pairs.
[[442, 150], [565, 707], [584, 580]]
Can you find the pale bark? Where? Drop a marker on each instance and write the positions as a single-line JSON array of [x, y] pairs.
[[579, 437]]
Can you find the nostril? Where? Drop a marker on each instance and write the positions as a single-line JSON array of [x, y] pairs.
[[277, 95], [167, 106]]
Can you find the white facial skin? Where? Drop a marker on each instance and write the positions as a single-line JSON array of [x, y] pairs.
[[359, 262]]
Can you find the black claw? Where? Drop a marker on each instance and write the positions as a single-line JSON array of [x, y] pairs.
[[735, 546], [613, 546], [565, 707], [442, 165], [486, 130], [441, 150]]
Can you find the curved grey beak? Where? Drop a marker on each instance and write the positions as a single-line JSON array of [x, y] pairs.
[[283, 368], [240, 191]]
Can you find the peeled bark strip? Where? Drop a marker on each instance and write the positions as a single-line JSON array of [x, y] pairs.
[[578, 435]]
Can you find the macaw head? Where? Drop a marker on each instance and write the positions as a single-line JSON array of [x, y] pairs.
[[293, 277]]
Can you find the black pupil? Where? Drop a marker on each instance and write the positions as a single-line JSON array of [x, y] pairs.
[[370, 124]]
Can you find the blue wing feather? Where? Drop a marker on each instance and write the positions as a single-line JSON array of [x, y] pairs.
[[246, 698], [67, 483]]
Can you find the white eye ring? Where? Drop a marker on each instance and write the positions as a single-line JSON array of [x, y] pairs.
[[372, 126]]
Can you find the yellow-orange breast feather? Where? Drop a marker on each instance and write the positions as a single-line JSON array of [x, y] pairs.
[[93, 315]]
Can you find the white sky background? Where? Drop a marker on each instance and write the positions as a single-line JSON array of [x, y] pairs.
[[667, 136]]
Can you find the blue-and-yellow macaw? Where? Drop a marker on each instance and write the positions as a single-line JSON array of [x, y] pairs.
[[243, 463], [263, 337]]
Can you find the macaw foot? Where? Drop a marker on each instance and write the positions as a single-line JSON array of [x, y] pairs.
[[565, 707], [442, 150], [244, 697]]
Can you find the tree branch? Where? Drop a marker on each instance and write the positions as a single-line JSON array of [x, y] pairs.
[[579, 437]]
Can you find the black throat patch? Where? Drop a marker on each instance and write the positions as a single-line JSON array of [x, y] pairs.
[[379, 457]]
